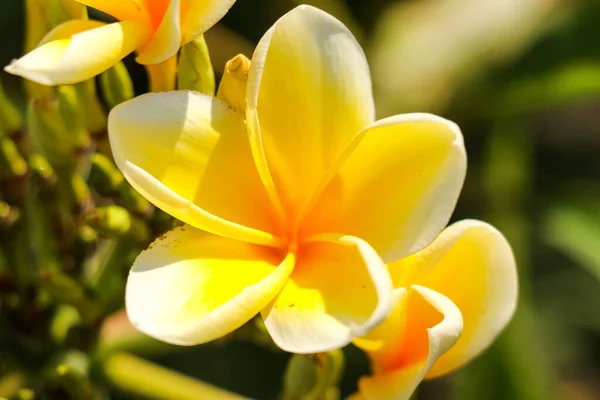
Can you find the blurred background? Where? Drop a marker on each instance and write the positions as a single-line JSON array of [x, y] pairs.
[[522, 80]]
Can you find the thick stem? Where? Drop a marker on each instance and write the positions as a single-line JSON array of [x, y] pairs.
[[135, 375]]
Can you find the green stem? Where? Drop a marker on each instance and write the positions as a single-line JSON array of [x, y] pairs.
[[137, 376]]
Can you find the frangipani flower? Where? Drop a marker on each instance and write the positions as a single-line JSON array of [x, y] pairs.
[[465, 281], [81, 49], [292, 208]]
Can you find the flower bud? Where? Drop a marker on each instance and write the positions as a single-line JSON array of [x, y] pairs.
[[94, 116], [195, 71], [12, 164], [232, 88], [67, 290], [56, 127], [115, 221], [116, 85], [313, 376], [74, 382], [10, 120]]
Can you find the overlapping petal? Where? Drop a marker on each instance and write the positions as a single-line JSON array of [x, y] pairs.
[[191, 287], [189, 154], [468, 274], [197, 16], [472, 264], [79, 50], [167, 37], [339, 290], [397, 185], [433, 325], [309, 94], [120, 9]]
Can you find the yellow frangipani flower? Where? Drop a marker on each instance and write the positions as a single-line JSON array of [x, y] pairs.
[[293, 208], [81, 49], [451, 300]]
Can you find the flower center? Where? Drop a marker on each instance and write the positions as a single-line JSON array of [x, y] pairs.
[[156, 10]]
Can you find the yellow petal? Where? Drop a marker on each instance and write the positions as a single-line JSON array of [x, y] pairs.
[[188, 153], [433, 325], [197, 16], [309, 94], [167, 38], [339, 290], [191, 287], [79, 50], [397, 187], [120, 9], [472, 264]]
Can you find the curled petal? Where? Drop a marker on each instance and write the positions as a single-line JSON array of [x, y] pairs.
[[166, 39], [188, 153], [79, 50], [309, 94], [339, 290], [197, 16], [191, 287], [396, 185], [433, 324], [473, 265]]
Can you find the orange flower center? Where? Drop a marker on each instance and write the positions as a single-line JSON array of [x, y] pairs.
[[156, 11]]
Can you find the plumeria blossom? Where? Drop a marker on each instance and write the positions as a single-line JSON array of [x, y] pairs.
[[78, 50], [293, 205], [451, 300]]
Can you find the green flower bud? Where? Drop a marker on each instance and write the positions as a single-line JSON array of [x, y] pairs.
[[312, 377], [42, 169], [57, 129], [74, 382], [116, 85], [10, 119], [67, 290], [115, 221], [12, 164], [94, 115], [195, 71]]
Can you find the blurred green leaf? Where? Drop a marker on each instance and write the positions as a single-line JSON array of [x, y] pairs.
[[576, 232], [424, 51]]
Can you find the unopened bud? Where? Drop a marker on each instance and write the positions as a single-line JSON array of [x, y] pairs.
[[104, 176], [8, 215], [25, 394], [12, 164], [94, 116], [195, 71], [56, 127], [115, 221], [313, 376], [74, 383], [42, 169], [68, 290], [232, 89], [80, 194], [116, 85], [10, 120]]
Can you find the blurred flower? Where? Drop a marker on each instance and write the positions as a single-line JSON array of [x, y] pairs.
[[291, 209], [81, 49], [464, 282]]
